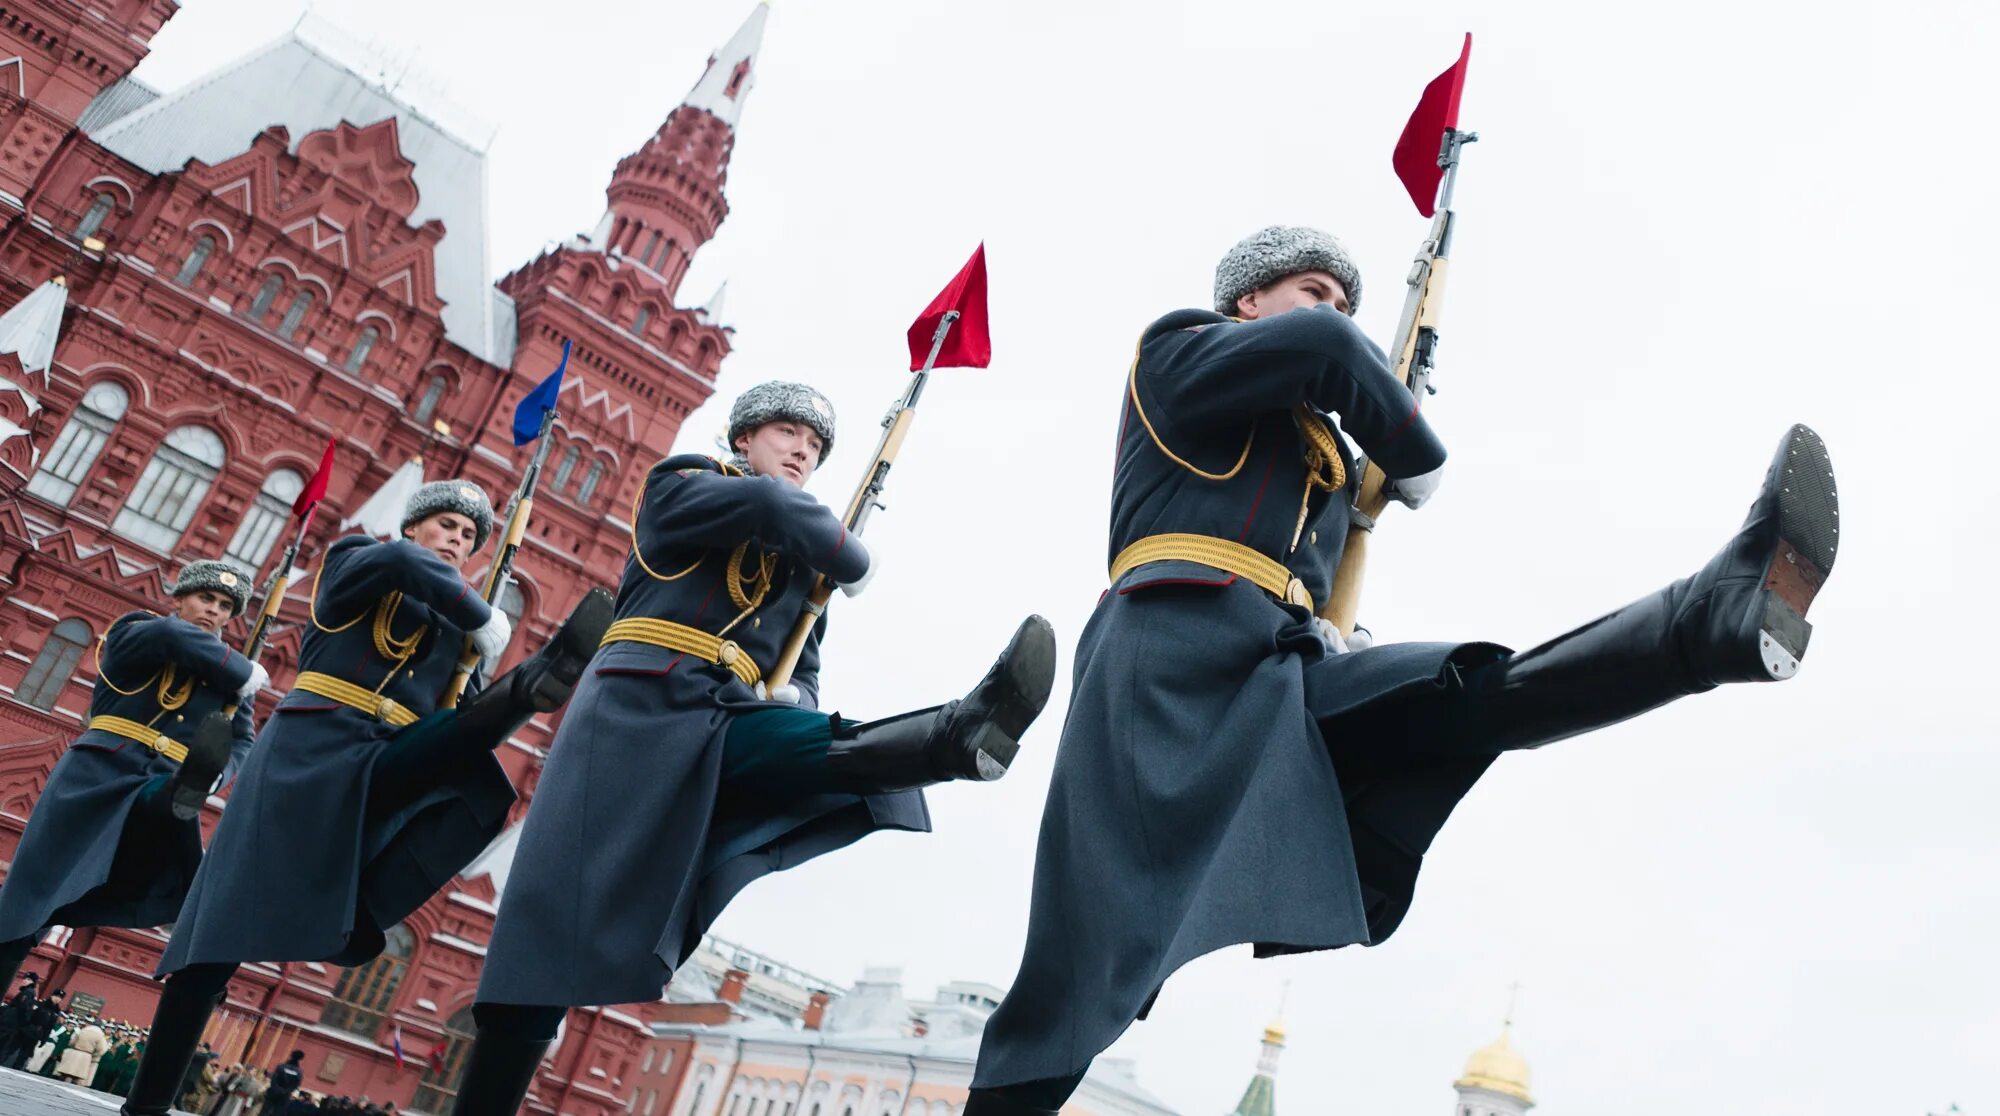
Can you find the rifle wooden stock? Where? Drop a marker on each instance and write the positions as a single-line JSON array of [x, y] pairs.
[[857, 514], [517, 529]]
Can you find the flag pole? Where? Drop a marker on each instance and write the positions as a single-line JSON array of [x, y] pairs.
[[867, 498], [517, 529]]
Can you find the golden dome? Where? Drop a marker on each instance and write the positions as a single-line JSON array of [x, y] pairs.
[[1274, 1035], [1499, 1068]]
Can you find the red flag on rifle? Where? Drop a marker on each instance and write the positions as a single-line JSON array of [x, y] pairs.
[[1416, 156], [967, 344], [316, 487]]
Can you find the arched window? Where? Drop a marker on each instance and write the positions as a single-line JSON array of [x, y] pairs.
[[196, 258], [266, 520], [666, 254], [164, 501], [427, 406], [266, 295], [435, 1090], [93, 218], [566, 466], [76, 447], [362, 997], [640, 319], [651, 246], [358, 355], [294, 314], [54, 665], [590, 479]]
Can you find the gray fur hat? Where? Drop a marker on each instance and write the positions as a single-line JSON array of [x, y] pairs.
[[461, 496], [212, 573], [777, 400], [1270, 254]]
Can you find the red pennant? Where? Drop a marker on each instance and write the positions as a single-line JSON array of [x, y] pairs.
[[316, 487], [967, 345], [1416, 156]]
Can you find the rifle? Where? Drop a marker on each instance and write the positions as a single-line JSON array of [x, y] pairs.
[[503, 562], [1415, 349], [895, 427]]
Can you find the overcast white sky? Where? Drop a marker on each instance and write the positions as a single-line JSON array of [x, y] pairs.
[[1685, 227]]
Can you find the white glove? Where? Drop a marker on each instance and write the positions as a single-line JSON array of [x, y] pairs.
[[1411, 492], [259, 678], [1361, 639], [786, 693], [1331, 635], [490, 639], [854, 588]]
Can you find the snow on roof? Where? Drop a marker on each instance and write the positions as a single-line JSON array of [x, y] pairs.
[[306, 82], [720, 91]]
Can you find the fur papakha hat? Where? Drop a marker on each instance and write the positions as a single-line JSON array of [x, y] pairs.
[[461, 496], [1270, 254], [780, 400], [212, 573]]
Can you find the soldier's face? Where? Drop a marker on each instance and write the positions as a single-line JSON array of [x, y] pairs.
[[788, 451], [448, 535], [207, 609], [1293, 292]]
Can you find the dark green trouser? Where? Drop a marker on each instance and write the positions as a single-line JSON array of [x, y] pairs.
[[781, 753]]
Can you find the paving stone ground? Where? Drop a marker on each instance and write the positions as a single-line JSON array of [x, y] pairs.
[[26, 1094]]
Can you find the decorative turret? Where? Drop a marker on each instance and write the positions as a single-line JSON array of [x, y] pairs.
[[1495, 1081], [28, 332], [665, 200], [1261, 1097]]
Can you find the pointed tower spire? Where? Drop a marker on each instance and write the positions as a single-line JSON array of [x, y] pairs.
[[1260, 1098], [29, 329], [666, 199], [381, 515], [711, 311]]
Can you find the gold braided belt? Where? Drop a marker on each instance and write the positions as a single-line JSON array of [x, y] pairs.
[[1254, 566], [688, 641], [151, 737], [347, 693]]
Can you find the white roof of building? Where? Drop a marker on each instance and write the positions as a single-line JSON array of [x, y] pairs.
[[712, 91], [28, 329], [308, 82]]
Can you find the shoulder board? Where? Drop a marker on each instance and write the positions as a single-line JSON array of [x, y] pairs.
[[687, 464], [139, 614], [1191, 320]]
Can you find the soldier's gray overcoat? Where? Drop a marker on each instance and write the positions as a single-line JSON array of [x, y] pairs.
[[1194, 803], [77, 865], [299, 869], [627, 855]]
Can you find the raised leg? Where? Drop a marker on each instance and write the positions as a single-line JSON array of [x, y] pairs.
[[505, 1056]]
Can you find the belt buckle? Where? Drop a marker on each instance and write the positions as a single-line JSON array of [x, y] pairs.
[[728, 653], [385, 709], [1295, 594]]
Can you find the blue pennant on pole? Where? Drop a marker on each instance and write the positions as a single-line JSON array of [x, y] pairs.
[[528, 412]]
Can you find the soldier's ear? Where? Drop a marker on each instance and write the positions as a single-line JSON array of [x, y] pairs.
[[1246, 305], [742, 442]]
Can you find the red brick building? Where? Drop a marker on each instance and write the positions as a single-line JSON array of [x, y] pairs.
[[282, 252]]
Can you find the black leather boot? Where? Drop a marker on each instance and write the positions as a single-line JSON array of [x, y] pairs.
[[186, 1001], [973, 738], [992, 1102], [1741, 618], [206, 757], [498, 1073], [543, 682]]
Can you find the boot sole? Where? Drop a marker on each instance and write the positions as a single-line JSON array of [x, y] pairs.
[[1028, 668], [206, 758], [576, 643], [1808, 540]]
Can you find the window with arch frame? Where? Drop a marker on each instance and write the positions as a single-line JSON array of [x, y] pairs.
[[427, 404], [93, 218], [362, 997], [588, 488], [436, 1091], [76, 447], [54, 664], [266, 519], [266, 295], [566, 466], [363, 345], [197, 258], [295, 314], [174, 484]]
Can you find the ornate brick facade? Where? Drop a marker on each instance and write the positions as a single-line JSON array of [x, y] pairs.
[[234, 302]]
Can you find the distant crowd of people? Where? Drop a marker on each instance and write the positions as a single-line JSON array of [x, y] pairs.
[[39, 1035]]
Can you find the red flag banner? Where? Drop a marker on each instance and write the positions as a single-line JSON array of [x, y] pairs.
[[967, 345], [1416, 156], [315, 490]]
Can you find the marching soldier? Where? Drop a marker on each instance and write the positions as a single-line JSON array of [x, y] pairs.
[[103, 846], [1302, 784], [718, 781], [363, 798]]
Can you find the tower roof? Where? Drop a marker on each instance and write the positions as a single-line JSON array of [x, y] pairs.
[[731, 71], [28, 329], [1498, 1067], [381, 515]]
